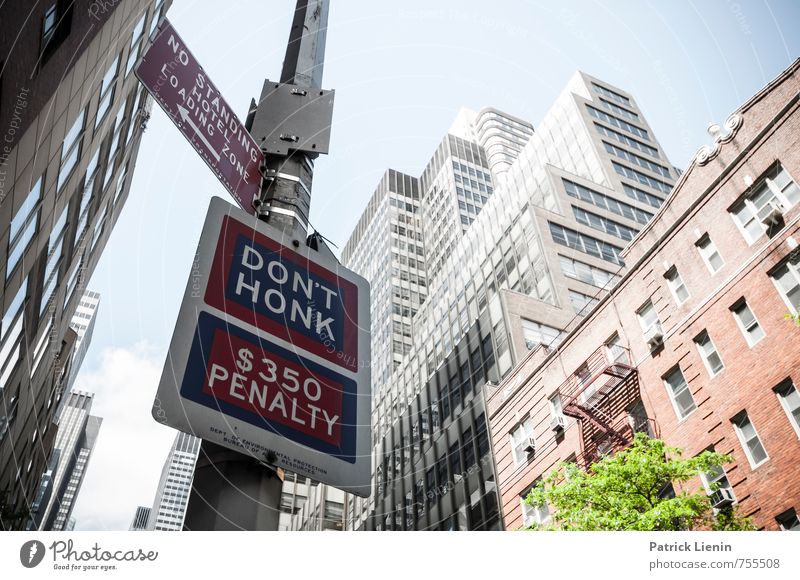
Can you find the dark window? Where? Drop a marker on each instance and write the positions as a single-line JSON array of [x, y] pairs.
[[430, 483], [469, 450], [481, 437], [56, 26], [455, 460], [445, 402], [455, 393], [419, 498], [441, 475], [789, 521]]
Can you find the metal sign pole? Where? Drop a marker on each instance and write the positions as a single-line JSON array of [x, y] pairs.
[[231, 490]]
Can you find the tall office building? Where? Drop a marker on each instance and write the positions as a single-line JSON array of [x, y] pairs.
[[532, 257], [82, 323], [172, 495], [72, 113], [77, 434], [140, 519], [386, 245]]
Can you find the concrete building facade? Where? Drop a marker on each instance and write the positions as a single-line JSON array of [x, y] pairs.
[[692, 344], [71, 115]]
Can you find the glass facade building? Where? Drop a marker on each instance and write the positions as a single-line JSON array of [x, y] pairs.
[[538, 252]]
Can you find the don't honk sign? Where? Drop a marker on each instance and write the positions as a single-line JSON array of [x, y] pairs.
[[270, 354]]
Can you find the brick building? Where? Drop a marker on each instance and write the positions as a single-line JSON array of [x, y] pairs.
[[692, 344]]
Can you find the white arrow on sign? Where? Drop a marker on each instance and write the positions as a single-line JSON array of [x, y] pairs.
[[185, 116]]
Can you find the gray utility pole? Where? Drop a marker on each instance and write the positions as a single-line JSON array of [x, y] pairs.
[[232, 490]]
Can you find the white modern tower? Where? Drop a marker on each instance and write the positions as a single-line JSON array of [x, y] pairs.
[[172, 495]]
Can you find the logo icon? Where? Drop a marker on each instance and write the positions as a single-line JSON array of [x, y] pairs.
[[31, 553]]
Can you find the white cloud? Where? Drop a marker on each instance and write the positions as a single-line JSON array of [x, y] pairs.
[[131, 448]]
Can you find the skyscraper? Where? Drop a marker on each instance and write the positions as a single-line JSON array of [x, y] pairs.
[[172, 494], [77, 434], [82, 323], [140, 519], [73, 113], [539, 247]]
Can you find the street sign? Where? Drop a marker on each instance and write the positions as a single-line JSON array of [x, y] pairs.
[[270, 354], [171, 73]]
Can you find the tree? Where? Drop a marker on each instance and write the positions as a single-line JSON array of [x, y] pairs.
[[794, 318], [626, 492]]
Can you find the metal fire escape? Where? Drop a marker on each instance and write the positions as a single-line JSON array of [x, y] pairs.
[[603, 395]]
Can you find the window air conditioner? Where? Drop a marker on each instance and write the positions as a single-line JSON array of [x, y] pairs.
[[530, 446], [771, 213], [654, 336], [558, 424], [721, 498]]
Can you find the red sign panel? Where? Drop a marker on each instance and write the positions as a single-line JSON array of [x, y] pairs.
[[278, 389], [272, 287], [171, 73]]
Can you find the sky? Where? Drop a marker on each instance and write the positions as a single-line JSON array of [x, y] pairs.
[[401, 71]]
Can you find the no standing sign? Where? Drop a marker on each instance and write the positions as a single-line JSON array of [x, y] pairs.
[[270, 354], [171, 73]]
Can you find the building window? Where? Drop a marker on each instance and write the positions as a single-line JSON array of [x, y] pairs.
[[556, 407], [787, 279], [626, 171], [615, 352], [533, 514], [10, 332], [581, 303], [748, 437], [603, 224], [788, 521], [716, 483], [775, 191], [708, 251], [56, 25], [156, 16], [609, 203], [676, 286], [618, 123], [679, 393], [536, 333], [790, 401], [23, 227], [708, 352], [49, 23], [71, 150], [136, 44], [522, 441], [587, 244], [106, 91], [114, 148], [587, 273], [747, 322], [648, 319]]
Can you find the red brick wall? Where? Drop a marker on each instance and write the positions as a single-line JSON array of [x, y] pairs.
[[750, 373]]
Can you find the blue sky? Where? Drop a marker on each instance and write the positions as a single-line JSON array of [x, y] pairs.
[[401, 71]]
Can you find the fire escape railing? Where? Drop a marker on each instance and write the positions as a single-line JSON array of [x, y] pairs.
[[600, 394]]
